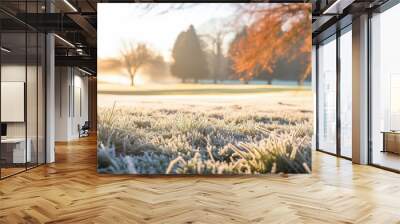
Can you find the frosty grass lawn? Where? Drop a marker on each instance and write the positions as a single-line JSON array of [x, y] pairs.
[[212, 130]]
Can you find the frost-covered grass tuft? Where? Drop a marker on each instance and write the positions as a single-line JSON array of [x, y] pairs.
[[203, 140]]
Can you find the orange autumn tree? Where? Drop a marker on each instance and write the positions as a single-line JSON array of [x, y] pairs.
[[279, 31]]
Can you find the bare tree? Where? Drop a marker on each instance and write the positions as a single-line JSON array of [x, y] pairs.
[[217, 40], [134, 56], [215, 33]]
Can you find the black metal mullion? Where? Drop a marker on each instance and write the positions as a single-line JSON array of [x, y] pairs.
[[369, 89], [37, 91], [338, 98], [44, 79], [45, 92], [26, 87]]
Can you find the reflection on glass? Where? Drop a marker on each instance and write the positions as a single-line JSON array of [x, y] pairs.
[[22, 92], [346, 94], [327, 96], [14, 153]]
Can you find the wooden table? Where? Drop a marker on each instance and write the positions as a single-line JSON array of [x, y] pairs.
[[391, 141]]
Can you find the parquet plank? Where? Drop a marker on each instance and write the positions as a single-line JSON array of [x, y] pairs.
[[70, 191]]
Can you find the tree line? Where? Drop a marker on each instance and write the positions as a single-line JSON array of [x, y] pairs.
[[262, 50], [192, 62]]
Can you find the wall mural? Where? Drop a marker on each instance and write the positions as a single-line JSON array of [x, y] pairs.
[[204, 89]]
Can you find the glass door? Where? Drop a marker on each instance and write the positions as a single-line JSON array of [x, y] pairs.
[[327, 96]]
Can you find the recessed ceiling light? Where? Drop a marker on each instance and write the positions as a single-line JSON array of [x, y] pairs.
[[84, 71], [337, 7], [70, 5], [5, 50], [64, 40]]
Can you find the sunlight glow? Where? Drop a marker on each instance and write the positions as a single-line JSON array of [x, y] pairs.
[[138, 80], [114, 79], [151, 26]]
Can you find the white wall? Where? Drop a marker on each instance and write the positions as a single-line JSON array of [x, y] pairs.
[[15, 73], [80, 118], [70, 83], [33, 126], [62, 82], [12, 73], [79, 115]]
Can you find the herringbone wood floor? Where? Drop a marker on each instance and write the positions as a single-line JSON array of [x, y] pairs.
[[70, 191]]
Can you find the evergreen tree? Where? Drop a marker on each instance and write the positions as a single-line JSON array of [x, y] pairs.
[[179, 54], [197, 61], [189, 58]]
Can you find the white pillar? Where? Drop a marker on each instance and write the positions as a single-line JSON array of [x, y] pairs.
[[360, 90], [314, 90], [50, 99]]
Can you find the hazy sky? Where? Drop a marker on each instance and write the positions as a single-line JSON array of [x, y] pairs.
[[134, 22]]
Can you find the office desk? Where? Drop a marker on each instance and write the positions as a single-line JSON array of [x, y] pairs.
[[13, 150]]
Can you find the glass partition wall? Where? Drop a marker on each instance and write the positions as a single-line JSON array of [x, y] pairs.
[[13, 110], [334, 93], [334, 118], [22, 77], [385, 89], [327, 95]]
